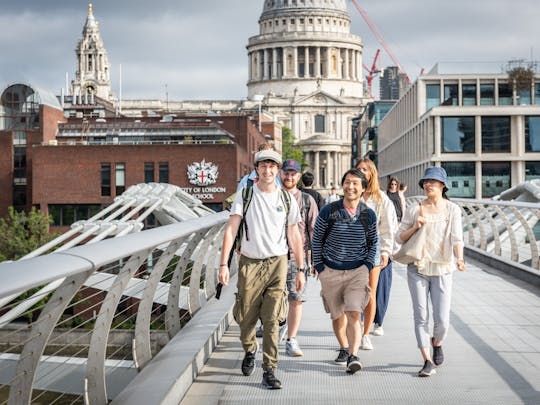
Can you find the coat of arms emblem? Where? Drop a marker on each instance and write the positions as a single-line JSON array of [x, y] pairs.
[[202, 173]]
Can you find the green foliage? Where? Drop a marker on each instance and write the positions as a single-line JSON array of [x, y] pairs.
[[522, 77], [22, 233], [289, 150]]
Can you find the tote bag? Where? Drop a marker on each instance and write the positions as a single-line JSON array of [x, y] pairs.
[[413, 250]]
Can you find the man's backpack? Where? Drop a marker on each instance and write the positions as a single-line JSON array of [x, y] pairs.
[[334, 217], [247, 195]]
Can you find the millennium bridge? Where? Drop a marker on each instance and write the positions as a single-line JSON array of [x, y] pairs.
[[111, 313]]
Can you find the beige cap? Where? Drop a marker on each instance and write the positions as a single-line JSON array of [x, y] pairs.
[[267, 155]]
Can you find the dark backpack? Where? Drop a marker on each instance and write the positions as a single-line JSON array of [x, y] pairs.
[[334, 217], [247, 195]]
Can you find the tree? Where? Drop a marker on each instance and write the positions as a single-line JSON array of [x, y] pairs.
[[288, 149], [22, 233]]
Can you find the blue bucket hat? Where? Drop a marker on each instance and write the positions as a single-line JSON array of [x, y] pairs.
[[434, 173]]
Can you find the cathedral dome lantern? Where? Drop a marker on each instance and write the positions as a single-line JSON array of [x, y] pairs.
[[92, 76]]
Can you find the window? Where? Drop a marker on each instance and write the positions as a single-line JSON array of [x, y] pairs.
[[105, 179], [461, 175], [19, 138], [495, 134], [537, 93], [487, 94], [495, 178], [120, 177], [532, 170], [458, 134], [320, 123], [433, 96], [163, 172], [505, 94], [532, 134], [19, 165], [149, 172], [65, 215], [524, 97], [468, 92], [450, 94]]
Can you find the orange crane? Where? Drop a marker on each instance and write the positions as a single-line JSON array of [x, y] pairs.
[[380, 38], [371, 72]]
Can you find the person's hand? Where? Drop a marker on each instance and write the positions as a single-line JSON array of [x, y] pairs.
[[223, 274], [421, 220], [300, 281], [384, 261], [461, 265]]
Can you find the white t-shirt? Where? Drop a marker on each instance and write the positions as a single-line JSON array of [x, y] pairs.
[[265, 218]]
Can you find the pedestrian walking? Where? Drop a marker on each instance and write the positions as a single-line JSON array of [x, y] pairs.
[[380, 277], [267, 221], [430, 276], [307, 187], [290, 175], [344, 248], [333, 196], [392, 191]]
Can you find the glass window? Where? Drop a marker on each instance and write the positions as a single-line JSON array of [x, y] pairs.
[[450, 94], [319, 123], [505, 94], [495, 134], [532, 170], [461, 175], [468, 92], [458, 134], [524, 97], [537, 93], [120, 177], [19, 163], [149, 172], [105, 179], [487, 94], [163, 172], [495, 178], [532, 134], [19, 138], [433, 96]]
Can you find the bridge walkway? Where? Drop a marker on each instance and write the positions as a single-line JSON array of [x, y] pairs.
[[492, 353]]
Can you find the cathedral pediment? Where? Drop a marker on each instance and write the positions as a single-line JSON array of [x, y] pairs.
[[318, 98]]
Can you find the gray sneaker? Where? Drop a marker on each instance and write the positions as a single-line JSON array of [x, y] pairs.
[[427, 370], [292, 348]]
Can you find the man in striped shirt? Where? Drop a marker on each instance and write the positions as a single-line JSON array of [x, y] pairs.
[[344, 247]]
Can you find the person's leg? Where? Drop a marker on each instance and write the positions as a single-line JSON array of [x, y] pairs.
[[369, 311], [419, 290], [441, 295], [383, 293], [354, 332]]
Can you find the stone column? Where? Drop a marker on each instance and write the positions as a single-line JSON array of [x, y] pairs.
[[337, 172], [295, 62], [284, 72], [346, 70], [328, 61], [274, 63], [318, 61], [316, 170], [331, 160], [265, 64], [306, 61], [250, 66]]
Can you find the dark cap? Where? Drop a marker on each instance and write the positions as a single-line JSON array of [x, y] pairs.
[[291, 164]]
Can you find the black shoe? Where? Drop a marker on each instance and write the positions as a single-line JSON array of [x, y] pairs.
[[248, 364], [427, 370], [343, 356], [438, 355], [270, 381], [353, 364]]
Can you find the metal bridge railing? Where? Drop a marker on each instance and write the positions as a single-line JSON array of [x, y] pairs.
[[109, 308], [507, 229]]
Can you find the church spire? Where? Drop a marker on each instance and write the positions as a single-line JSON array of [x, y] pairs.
[[92, 76]]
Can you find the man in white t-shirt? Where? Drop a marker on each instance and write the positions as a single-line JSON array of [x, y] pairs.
[[268, 229]]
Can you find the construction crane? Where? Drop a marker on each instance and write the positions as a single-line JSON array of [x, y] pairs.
[[371, 72], [380, 38]]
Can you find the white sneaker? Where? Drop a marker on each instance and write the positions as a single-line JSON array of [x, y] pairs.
[[366, 343], [292, 348], [377, 330]]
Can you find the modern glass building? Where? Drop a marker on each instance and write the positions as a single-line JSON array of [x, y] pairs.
[[483, 131]]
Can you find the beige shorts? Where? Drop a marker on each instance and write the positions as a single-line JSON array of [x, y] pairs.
[[344, 290]]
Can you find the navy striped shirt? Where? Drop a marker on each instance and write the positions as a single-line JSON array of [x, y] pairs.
[[345, 247]]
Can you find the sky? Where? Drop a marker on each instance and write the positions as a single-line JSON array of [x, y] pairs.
[[196, 49]]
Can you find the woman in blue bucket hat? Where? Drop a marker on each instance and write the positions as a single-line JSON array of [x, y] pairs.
[[438, 253]]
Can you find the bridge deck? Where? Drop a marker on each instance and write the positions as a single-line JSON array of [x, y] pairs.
[[492, 354]]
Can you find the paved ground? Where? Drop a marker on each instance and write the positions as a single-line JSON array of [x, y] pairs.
[[492, 354]]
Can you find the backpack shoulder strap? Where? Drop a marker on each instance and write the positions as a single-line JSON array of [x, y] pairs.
[[306, 206], [364, 217], [247, 195], [332, 219]]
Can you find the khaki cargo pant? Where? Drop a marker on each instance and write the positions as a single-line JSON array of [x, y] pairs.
[[261, 293]]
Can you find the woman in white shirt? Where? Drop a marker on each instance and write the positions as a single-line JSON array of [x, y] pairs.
[[432, 275]]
